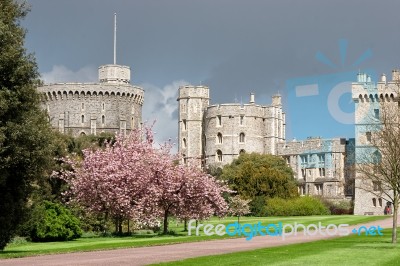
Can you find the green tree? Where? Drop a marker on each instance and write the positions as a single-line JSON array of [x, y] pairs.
[[257, 176], [25, 134]]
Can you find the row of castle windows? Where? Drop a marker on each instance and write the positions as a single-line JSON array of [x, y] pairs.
[[219, 121], [218, 155], [103, 121], [374, 202], [241, 138]]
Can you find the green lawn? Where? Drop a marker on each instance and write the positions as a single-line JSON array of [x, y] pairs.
[[100, 243], [349, 250]]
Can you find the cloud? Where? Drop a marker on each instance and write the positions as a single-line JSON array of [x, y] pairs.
[[160, 105], [60, 73]]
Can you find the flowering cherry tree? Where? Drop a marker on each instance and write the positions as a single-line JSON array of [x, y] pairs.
[[130, 179], [238, 206]]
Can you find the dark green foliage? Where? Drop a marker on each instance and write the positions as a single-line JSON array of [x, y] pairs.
[[257, 175], [258, 206], [301, 206], [25, 135], [53, 222]]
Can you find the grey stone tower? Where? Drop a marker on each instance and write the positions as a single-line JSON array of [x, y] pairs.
[[193, 102]]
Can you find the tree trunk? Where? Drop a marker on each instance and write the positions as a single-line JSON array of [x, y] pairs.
[[120, 226], [395, 210], [238, 219], [165, 222], [185, 225], [128, 227]]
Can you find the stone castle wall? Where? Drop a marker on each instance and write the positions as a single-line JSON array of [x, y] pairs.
[[113, 105]]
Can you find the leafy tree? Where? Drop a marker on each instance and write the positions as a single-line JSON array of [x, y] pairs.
[[254, 175], [25, 135], [238, 207]]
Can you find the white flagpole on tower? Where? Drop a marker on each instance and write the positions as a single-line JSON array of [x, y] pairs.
[[115, 38]]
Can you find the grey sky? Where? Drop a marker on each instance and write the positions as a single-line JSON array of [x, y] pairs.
[[234, 47]]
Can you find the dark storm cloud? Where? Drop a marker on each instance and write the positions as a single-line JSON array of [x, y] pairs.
[[235, 47]]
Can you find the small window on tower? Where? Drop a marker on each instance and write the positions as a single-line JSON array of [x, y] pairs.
[[219, 138], [184, 143], [376, 113], [184, 124], [82, 119], [103, 119], [369, 136], [241, 137], [83, 106], [219, 155], [219, 120], [241, 120]]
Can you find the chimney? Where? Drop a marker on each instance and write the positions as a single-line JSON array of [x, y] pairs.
[[252, 98]]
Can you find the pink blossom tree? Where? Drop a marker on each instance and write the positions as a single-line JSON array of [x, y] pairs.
[[131, 179]]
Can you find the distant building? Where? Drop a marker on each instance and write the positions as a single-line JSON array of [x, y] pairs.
[[368, 97], [111, 105], [322, 167], [217, 134]]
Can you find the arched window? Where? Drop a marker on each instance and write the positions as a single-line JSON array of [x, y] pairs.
[[242, 152], [103, 119], [103, 107], [374, 202], [83, 134], [219, 138], [241, 137], [184, 158], [184, 142], [219, 156], [82, 119]]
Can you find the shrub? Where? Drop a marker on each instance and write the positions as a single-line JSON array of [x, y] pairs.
[[53, 222], [338, 207], [301, 206]]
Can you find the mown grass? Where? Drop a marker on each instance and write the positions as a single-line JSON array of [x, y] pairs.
[[21, 249], [349, 250]]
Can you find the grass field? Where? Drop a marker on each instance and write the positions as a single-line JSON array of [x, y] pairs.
[[349, 250], [100, 243]]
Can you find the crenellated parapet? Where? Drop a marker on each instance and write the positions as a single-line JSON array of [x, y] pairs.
[[72, 91]]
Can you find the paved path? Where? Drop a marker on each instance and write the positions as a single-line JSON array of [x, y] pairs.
[[155, 254]]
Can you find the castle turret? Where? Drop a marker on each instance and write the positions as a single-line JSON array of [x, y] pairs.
[[193, 101]]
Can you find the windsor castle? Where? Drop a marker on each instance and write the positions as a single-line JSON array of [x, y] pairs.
[[216, 134]]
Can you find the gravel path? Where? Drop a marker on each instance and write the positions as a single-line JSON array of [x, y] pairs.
[[155, 254]]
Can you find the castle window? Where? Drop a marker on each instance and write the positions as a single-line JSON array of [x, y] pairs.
[[241, 120], [184, 142], [219, 120], [103, 119], [184, 158], [241, 138], [219, 156], [219, 138], [376, 113], [132, 122], [184, 124], [369, 136], [303, 173], [83, 106], [82, 119], [376, 185], [380, 202], [374, 202], [103, 106], [242, 152], [321, 158], [321, 171]]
